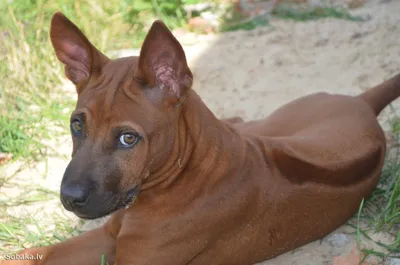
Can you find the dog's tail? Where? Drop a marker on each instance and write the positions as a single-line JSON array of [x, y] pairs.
[[382, 95]]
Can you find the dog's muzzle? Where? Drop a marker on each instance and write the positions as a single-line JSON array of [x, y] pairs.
[[93, 204]]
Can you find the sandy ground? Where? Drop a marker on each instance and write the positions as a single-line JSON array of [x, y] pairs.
[[250, 74]]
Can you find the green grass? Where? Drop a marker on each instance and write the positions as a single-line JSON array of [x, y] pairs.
[[28, 230], [301, 13], [234, 20], [383, 208], [244, 24], [381, 211], [24, 222]]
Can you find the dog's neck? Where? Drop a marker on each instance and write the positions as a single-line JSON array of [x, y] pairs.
[[205, 148]]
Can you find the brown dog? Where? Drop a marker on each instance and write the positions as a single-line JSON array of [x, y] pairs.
[[209, 192]]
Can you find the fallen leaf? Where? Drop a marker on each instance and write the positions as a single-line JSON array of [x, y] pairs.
[[353, 258], [5, 157]]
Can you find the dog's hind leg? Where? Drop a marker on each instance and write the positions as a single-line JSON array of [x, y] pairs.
[[85, 249]]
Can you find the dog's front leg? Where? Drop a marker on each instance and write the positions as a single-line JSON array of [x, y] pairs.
[[85, 249]]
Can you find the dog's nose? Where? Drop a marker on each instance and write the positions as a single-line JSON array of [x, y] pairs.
[[74, 196]]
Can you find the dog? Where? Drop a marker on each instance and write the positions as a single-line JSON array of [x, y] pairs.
[[186, 188]]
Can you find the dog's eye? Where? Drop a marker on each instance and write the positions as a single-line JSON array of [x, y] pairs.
[[128, 139], [76, 127]]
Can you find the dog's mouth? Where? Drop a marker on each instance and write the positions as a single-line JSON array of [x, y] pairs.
[[130, 197]]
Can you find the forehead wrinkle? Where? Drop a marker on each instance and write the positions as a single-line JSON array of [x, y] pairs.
[[128, 92], [93, 96], [122, 75], [101, 96]]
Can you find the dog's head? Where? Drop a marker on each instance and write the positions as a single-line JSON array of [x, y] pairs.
[[124, 124]]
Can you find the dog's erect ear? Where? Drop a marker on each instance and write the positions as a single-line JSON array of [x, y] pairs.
[[162, 64], [73, 49]]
